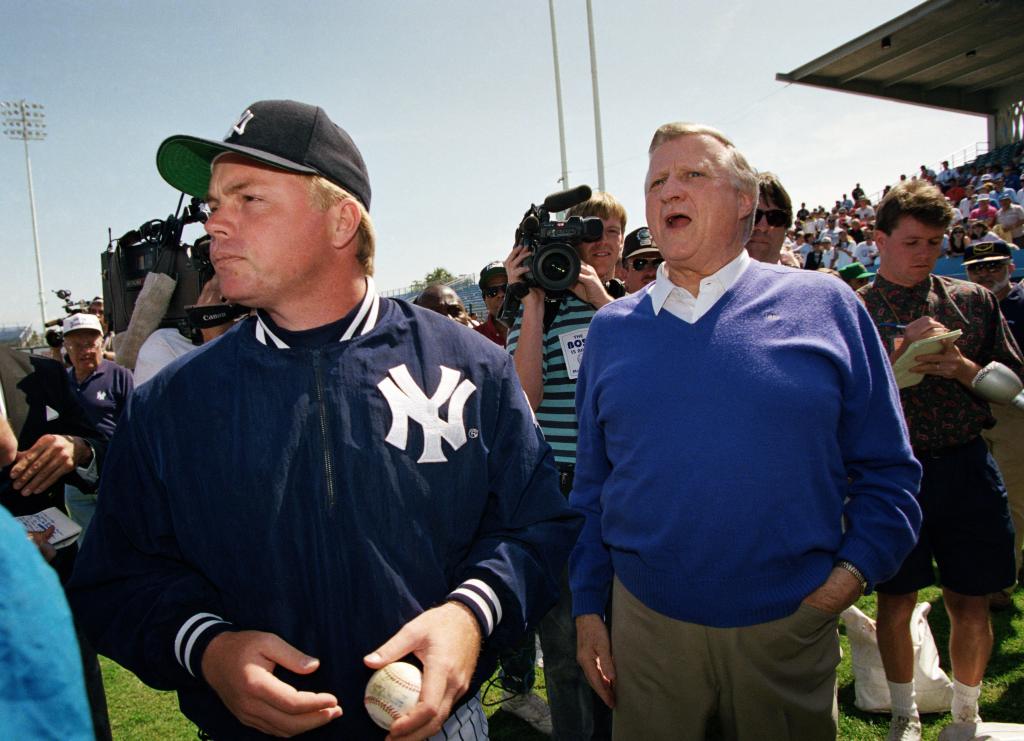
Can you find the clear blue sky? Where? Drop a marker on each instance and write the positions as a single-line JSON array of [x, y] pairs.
[[452, 104]]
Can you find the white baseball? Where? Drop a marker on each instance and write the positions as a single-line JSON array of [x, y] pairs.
[[392, 691]]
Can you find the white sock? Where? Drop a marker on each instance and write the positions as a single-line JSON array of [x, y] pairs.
[[904, 701], [965, 702]]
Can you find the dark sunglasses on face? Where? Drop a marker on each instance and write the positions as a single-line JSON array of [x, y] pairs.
[[640, 263], [774, 216], [493, 291], [992, 266]]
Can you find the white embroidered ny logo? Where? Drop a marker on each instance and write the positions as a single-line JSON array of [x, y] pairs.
[[407, 401], [243, 121]]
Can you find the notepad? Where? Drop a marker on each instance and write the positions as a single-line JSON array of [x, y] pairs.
[[65, 530], [927, 346]]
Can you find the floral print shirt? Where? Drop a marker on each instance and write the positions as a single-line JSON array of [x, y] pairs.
[[941, 412]]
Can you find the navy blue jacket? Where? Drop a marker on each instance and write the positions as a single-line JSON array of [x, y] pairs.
[[282, 490]]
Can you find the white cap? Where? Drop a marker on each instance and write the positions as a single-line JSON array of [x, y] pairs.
[[75, 322]]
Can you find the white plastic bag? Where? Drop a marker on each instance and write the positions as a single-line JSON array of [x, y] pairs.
[[982, 732], [933, 688]]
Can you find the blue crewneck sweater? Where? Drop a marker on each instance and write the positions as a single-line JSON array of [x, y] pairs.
[[714, 458]]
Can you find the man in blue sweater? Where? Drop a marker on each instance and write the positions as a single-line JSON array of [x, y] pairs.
[[336, 483], [727, 568]]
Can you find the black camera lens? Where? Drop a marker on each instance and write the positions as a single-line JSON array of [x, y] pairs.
[[556, 267]]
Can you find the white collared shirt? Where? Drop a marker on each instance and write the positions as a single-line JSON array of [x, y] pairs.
[[679, 302]]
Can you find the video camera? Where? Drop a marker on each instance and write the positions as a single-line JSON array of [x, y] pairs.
[[156, 246], [554, 260], [54, 335]]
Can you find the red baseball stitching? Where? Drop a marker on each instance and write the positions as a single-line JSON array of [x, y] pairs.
[[389, 672], [390, 710]]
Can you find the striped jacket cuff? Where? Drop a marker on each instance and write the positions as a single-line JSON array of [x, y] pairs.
[[482, 601], [194, 636]]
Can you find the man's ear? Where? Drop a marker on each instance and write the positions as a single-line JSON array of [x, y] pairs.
[[344, 222]]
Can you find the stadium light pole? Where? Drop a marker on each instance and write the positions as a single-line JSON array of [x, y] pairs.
[[597, 100], [558, 97], [27, 121]]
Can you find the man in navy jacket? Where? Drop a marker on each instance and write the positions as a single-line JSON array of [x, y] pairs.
[[338, 482]]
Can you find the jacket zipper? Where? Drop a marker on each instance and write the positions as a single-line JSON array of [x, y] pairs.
[[322, 411]]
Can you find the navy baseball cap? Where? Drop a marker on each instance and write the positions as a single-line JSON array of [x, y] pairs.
[[639, 242], [986, 252], [291, 136]]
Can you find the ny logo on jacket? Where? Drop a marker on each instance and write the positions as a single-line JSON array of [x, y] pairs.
[[408, 401]]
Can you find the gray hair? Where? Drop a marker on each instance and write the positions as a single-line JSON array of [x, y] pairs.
[[743, 176]]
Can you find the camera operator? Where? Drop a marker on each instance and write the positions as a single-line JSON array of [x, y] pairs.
[[102, 388], [547, 368], [164, 345]]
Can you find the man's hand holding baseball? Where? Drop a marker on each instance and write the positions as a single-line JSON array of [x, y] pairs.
[[446, 639], [239, 666]]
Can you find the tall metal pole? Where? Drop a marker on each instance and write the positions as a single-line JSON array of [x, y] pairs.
[[558, 97], [25, 121], [597, 99]]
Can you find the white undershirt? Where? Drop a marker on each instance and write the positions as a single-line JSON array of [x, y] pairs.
[[679, 302]]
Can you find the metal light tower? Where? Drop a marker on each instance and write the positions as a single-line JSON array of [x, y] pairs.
[[597, 100], [25, 121], [558, 97]]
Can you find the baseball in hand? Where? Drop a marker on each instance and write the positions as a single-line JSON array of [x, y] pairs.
[[392, 691]]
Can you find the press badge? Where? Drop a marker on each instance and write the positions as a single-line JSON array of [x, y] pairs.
[[572, 350]]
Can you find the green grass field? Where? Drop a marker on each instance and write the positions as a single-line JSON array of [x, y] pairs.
[[138, 713]]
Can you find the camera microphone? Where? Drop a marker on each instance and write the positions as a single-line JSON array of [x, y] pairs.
[[567, 198]]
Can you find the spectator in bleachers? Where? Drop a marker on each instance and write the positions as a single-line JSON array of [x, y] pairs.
[[865, 212], [958, 240], [842, 250], [816, 257], [1011, 178], [1011, 217], [946, 176], [979, 232], [966, 204], [493, 285], [984, 211], [866, 251]]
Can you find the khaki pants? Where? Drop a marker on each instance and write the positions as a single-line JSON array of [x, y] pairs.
[[776, 680], [1006, 443]]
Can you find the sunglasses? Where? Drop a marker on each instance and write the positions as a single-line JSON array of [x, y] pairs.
[[493, 291], [774, 216], [992, 266], [640, 263]]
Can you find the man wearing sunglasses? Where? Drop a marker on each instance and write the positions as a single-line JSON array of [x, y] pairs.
[[493, 284], [640, 258], [773, 217], [990, 264]]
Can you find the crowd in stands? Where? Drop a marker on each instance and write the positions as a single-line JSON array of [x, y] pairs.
[[988, 202]]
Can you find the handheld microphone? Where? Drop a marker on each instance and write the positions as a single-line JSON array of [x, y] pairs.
[[995, 382]]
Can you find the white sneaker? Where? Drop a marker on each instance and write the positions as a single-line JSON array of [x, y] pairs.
[[530, 708], [902, 728]]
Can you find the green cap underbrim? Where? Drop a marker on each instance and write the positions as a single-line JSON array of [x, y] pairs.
[[185, 162]]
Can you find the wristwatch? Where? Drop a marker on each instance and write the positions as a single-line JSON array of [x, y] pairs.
[[846, 565]]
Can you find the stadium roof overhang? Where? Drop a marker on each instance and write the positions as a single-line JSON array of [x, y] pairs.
[[959, 55]]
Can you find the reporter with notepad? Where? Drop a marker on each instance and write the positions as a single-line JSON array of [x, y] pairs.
[[966, 519]]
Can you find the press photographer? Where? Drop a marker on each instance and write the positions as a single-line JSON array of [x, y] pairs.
[[546, 340], [152, 281]]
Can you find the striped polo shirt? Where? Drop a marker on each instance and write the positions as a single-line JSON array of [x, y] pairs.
[[557, 412]]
